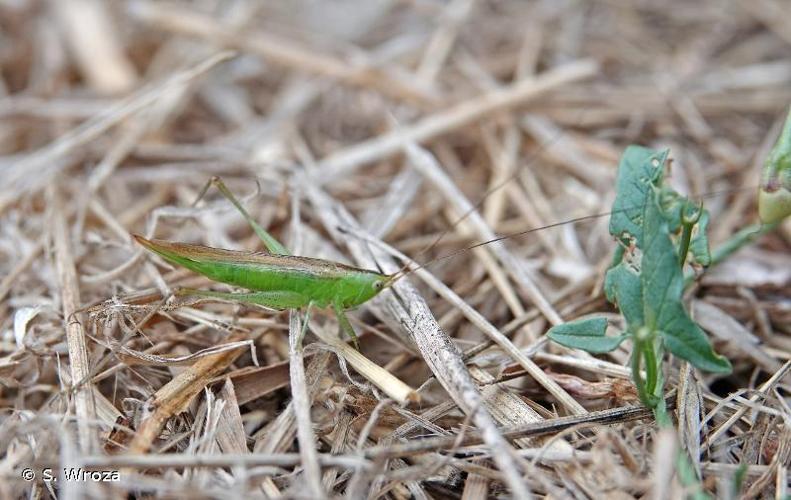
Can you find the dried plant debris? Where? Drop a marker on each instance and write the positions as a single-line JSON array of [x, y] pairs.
[[394, 136]]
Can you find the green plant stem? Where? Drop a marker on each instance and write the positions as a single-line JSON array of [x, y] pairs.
[[650, 368], [740, 239], [660, 412], [683, 248], [689, 478], [649, 389], [734, 243], [637, 377], [687, 223], [661, 416]]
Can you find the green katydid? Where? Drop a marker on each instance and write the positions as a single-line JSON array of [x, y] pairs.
[[276, 279]]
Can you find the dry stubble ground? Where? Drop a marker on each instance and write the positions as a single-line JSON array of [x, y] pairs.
[[114, 114]]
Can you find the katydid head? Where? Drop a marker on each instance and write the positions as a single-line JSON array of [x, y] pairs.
[[382, 282], [358, 287]]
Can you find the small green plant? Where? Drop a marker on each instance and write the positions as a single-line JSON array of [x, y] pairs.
[[659, 233]]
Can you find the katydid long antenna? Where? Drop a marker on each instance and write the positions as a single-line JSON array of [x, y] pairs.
[[517, 172], [407, 269]]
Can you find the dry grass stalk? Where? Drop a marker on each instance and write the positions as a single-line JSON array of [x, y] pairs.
[[75, 335], [347, 160], [380, 377], [174, 396], [302, 403], [36, 168], [94, 40]]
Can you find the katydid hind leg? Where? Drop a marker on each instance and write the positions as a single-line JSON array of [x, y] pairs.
[[271, 243], [274, 299], [345, 325]]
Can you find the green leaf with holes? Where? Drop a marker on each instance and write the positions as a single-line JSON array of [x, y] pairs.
[[645, 280], [588, 334], [623, 288], [639, 171]]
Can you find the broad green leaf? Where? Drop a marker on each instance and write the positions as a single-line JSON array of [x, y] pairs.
[[617, 256], [686, 340], [663, 285], [660, 268], [586, 334], [623, 288], [774, 195], [639, 170]]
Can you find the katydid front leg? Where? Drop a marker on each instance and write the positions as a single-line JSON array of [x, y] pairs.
[[343, 322], [278, 300]]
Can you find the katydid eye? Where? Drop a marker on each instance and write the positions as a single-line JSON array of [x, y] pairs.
[[378, 285]]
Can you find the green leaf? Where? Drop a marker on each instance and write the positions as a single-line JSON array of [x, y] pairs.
[[663, 285], [586, 334], [660, 268], [647, 283], [686, 340], [623, 288], [639, 170]]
